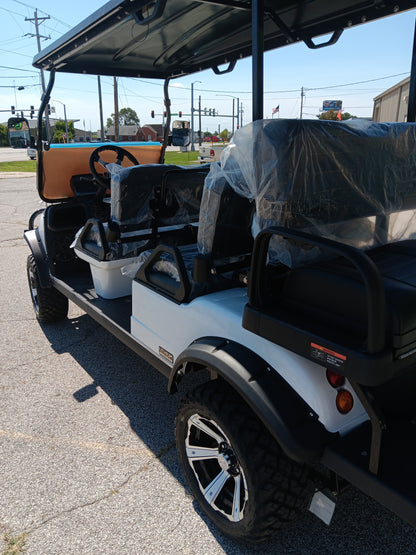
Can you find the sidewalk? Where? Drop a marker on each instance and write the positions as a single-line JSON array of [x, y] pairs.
[[5, 175]]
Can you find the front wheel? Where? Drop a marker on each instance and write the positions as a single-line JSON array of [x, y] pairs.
[[49, 304], [235, 469]]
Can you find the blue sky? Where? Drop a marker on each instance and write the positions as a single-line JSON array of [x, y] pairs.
[[367, 60]]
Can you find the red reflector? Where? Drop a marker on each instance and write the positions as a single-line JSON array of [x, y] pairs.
[[344, 401], [335, 379]]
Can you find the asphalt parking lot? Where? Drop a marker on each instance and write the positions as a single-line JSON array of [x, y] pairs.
[[89, 464]]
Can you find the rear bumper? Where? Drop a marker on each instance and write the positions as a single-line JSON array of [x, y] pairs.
[[395, 485]]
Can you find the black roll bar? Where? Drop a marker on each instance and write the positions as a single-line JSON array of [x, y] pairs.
[[368, 270], [411, 106], [39, 143]]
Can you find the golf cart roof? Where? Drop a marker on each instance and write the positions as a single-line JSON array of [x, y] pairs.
[[165, 38]]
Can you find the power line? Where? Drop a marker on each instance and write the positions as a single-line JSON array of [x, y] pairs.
[[287, 90], [18, 69], [41, 11]]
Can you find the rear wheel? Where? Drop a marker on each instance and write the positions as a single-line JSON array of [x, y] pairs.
[[49, 304], [236, 471]]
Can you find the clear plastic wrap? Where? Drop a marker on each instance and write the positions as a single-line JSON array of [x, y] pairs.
[[210, 205], [132, 193], [170, 194], [93, 241], [354, 181]]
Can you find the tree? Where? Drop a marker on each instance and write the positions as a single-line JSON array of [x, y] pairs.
[[3, 135], [333, 115], [126, 116], [59, 132], [225, 135]]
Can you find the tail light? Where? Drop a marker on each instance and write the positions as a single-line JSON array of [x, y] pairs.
[[344, 401], [335, 379]]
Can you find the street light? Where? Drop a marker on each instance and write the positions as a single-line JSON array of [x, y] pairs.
[[192, 115], [238, 107], [66, 123]]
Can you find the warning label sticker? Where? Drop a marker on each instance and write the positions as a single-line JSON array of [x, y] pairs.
[[326, 356]]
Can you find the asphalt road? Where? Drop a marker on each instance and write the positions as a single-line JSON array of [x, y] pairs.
[[13, 154], [88, 463]]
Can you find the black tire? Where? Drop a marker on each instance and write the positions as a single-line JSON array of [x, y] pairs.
[[273, 488], [49, 304]]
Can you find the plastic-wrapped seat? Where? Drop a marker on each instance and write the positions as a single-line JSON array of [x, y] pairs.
[[224, 244], [149, 203], [154, 195], [332, 272]]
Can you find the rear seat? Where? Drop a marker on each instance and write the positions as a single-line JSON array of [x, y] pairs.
[[335, 256]]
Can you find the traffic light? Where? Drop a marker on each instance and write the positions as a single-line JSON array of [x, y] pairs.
[[32, 112], [49, 109], [152, 113], [180, 114], [164, 114], [13, 110]]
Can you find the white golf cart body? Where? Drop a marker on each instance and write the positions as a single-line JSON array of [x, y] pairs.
[[171, 287]]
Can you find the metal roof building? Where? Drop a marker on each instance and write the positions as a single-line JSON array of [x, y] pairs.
[[391, 105]]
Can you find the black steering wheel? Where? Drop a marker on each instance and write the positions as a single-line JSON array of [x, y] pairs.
[[95, 159]]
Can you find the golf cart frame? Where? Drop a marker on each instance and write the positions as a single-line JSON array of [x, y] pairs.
[[257, 349]]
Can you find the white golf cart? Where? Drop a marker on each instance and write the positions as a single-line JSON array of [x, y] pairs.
[[286, 272]]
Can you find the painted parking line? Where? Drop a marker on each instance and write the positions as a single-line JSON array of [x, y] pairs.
[[79, 444]]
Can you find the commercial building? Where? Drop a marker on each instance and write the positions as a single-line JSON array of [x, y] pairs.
[[391, 105]]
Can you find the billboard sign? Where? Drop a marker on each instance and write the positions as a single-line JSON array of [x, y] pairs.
[[331, 105]]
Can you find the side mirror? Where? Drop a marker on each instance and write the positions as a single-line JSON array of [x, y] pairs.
[[18, 133], [181, 133]]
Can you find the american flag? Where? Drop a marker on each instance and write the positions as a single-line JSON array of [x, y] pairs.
[[275, 110]]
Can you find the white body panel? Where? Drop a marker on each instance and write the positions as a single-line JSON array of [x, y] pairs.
[[158, 322]]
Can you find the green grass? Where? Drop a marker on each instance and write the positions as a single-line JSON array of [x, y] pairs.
[[14, 545], [23, 166], [181, 158]]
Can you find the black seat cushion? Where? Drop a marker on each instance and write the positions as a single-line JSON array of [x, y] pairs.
[[330, 295]]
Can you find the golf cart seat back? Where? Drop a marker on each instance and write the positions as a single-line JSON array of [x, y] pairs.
[[224, 246], [156, 195], [334, 260], [225, 221], [149, 203], [346, 181]]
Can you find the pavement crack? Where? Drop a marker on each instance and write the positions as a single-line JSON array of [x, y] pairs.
[[104, 497]]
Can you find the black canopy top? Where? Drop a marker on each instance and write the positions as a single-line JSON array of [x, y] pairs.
[[165, 38]]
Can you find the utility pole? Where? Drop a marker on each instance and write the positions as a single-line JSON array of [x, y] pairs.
[[302, 95], [100, 100], [36, 21], [200, 124], [116, 122]]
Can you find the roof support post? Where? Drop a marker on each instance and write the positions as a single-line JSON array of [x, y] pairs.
[[257, 59], [411, 106]]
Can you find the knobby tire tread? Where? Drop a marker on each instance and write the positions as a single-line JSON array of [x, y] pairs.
[[282, 486], [52, 305]]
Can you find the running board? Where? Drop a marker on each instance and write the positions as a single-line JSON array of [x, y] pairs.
[[113, 315]]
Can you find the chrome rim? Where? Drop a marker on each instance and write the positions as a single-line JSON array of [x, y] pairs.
[[216, 468]]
